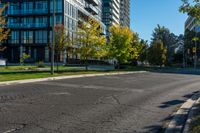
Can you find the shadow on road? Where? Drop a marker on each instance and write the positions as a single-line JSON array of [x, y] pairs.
[[176, 71], [179, 117], [171, 103]]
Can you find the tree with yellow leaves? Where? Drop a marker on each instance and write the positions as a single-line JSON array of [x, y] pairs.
[[91, 41], [121, 45], [4, 32]]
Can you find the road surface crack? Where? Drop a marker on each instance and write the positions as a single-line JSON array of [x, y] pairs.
[[21, 126]]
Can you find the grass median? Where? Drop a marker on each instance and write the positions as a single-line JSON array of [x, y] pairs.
[[12, 73], [33, 75]]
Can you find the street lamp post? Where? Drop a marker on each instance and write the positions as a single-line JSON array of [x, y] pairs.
[[53, 39], [195, 62], [184, 62]]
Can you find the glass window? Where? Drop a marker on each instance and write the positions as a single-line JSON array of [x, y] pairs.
[[27, 37], [58, 6], [41, 36], [14, 38]]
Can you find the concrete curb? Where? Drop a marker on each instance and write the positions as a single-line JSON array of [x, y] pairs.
[[179, 122], [64, 77], [190, 116]]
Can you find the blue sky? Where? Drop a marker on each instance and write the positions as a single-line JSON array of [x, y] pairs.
[[146, 14]]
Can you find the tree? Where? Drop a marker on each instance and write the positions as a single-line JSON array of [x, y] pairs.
[[143, 51], [4, 32], [189, 43], [178, 57], [169, 41], [192, 8], [157, 53], [121, 44], [62, 41], [23, 58], [91, 41], [137, 48]]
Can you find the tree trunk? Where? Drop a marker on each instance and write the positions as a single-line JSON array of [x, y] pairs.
[[57, 55], [86, 64], [118, 65]]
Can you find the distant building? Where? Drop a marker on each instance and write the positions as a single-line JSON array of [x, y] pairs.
[[116, 12], [191, 24], [110, 13], [125, 13], [30, 22]]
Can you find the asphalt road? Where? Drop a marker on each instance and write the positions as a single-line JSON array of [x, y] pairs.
[[133, 103]]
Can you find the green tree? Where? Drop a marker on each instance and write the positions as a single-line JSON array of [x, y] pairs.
[[23, 58], [121, 44], [191, 7], [169, 41], [4, 32], [62, 41], [143, 51], [189, 43], [138, 48], [91, 41], [178, 56], [157, 53]]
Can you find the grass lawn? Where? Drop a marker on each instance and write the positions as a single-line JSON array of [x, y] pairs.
[[11, 73], [35, 68], [16, 68], [195, 125], [34, 75]]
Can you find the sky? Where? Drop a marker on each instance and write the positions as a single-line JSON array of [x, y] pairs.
[[146, 14]]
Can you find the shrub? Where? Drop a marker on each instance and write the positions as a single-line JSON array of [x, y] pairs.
[[41, 64]]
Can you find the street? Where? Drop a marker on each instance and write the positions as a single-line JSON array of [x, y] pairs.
[[131, 103]]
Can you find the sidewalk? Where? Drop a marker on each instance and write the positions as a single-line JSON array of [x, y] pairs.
[[181, 119]]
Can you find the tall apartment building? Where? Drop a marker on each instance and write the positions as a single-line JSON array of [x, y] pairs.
[[125, 13], [191, 25], [116, 12], [30, 22], [110, 13]]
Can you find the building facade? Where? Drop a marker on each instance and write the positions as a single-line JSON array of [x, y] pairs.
[[125, 13], [191, 24], [115, 12], [110, 13], [30, 22]]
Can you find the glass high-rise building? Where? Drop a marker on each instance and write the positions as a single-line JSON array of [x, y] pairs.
[[125, 13], [191, 24], [116, 12], [30, 22], [110, 13]]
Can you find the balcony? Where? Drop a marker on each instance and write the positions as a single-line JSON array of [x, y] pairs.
[[94, 2], [27, 12], [90, 8], [30, 25]]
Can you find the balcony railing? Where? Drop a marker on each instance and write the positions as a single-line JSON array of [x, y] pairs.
[[30, 25], [94, 2], [92, 9], [27, 12]]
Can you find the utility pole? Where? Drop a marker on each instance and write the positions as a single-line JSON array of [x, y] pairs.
[[53, 40], [183, 55], [195, 58]]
